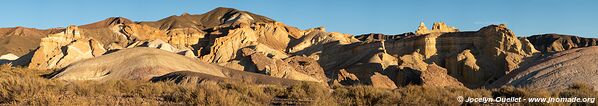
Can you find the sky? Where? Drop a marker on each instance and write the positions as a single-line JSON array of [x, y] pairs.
[[524, 17]]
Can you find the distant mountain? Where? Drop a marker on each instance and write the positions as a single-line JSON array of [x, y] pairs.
[[21, 40], [216, 17]]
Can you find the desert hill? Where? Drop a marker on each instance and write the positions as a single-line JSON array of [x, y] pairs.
[[559, 42], [216, 17], [157, 65], [226, 44]]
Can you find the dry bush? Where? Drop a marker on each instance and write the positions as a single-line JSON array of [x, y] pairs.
[[22, 86], [365, 95]]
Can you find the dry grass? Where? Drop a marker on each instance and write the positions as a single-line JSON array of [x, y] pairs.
[[21, 86]]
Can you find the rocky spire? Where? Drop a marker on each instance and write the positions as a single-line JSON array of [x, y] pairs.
[[422, 29], [437, 27]]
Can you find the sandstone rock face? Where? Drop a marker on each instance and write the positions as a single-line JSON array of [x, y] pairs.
[[307, 66], [437, 76], [78, 50], [464, 67], [495, 49], [50, 53], [184, 37], [556, 71], [413, 70], [558, 42], [281, 69], [226, 48], [142, 32], [367, 71]]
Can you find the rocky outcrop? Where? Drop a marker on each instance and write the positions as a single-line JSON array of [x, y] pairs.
[[308, 66], [79, 50], [495, 48], [373, 37], [437, 76], [226, 48], [437, 27], [422, 29], [465, 67], [556, 71], [60, 49], [184, 37], [559, 42], [413, 70], [261, 63], [315, 39]]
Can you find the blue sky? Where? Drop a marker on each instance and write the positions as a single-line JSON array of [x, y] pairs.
[[524, 17]]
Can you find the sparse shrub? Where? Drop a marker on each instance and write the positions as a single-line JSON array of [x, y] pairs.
[[21, 86]]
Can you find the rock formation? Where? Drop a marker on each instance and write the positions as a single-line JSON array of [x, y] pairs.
[[494, 48], [261, 63], [413, 70], [437, 27], [158, 65], [556, 71], [60, 49], [227, 44], [373, 37], [558, 42]]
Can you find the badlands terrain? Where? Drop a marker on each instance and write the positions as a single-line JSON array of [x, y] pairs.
[[232, 57]]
